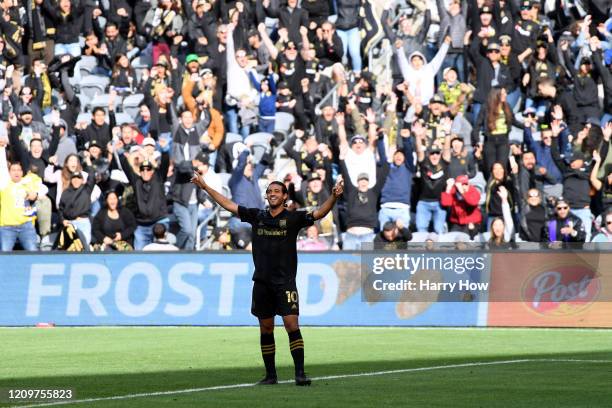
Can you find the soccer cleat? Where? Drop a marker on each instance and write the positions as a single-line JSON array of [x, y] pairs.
[[302, 380], [268, 380]]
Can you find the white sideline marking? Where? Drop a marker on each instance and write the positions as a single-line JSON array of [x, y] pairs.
[[328, 377], [416, 328]]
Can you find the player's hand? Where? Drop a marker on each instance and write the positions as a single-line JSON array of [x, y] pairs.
[[338, 189]]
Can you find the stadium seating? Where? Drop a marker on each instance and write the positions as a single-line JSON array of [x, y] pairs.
[[93, 85], [130, 104]]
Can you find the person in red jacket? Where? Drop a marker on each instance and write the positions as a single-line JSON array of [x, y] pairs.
[[463, 199]]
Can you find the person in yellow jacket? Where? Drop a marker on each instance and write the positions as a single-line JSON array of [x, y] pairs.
[[17, 195]]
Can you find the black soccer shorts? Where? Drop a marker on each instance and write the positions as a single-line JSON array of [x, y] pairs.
[[269, 300]]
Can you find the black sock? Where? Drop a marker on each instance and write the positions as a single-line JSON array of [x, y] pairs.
[[268, 349], [296, 346]]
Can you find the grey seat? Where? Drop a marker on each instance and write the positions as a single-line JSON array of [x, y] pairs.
[[86, 65], [101, 100], [139, 66], [483, 237], [258, 150], [122, 117], [130, 104], [84, 117], [283, 122], [261, 144], [260, 138], [224, 214], [232, 138], [84, 100], [93, 85], [225, 177], [455, 236], [419, 236]]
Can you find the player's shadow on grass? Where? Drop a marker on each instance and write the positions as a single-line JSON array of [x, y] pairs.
[[104, 385]]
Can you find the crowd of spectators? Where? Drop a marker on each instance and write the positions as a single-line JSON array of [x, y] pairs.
[[461, 120]]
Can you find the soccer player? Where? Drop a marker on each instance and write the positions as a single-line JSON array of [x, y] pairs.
[[275, 257]]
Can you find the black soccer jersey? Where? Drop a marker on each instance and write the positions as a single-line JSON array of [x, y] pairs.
[[274, 242]]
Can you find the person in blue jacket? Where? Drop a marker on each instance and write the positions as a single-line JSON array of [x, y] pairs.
[[267, 101]]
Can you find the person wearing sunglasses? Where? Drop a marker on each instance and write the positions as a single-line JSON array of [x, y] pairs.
[[433, 171], [490, 72], [328, 45], [150, 194], [533, 217], [512, 60], [526, 34], [564, 226], [576, 183]]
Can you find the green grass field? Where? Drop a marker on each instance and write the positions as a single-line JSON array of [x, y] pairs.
[[108, 362]]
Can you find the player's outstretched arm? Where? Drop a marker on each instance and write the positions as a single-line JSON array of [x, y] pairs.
[[330, 202], [223, 201]]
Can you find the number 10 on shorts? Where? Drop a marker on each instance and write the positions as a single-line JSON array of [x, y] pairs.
[[292, 296]]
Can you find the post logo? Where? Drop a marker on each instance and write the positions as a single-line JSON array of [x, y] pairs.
[[561, 290]]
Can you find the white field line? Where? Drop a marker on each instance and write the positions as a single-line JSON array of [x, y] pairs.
[[328, 377], [280, 326]]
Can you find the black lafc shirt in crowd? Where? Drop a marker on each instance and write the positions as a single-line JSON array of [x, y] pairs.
[[274, 242]]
